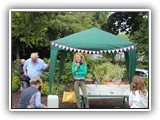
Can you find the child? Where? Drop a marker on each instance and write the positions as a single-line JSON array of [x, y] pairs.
[[138, 97]]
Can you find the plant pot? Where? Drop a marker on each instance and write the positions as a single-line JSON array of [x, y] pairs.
[[88, 81]]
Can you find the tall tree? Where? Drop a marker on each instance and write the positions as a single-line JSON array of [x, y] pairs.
[[38, 28], [141, 38], [127, 22], [135, 24]]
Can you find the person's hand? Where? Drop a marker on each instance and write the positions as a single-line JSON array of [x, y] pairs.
[[25, 74], [44, 106], [49, 61], [77, 64]]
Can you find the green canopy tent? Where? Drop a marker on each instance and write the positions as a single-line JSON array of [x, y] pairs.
[[91, 41]]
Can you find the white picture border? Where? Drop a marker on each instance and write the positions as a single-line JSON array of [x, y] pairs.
[[85, 10]]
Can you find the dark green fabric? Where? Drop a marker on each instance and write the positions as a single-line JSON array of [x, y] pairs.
[[62, 61], [130, 60], [53, 59], [94, 39]]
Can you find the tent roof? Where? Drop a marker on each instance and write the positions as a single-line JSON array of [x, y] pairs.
[[94, 39], [91, 41]]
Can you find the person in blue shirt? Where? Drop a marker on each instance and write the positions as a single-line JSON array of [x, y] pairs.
[[34, 66], [31, 96]]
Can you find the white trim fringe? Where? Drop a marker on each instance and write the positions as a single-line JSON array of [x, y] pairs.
[[93, 51]]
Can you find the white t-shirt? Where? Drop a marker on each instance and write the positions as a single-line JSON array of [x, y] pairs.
[[138, 100]]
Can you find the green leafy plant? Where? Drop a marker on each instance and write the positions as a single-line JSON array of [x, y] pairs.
[[45, 88], [15, 67], [15, 83], [45, 76], [146, 83], [108, 71], [89, 76]]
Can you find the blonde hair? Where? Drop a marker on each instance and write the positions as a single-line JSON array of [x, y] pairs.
[[138, 84], [82, 58], [35, 81]]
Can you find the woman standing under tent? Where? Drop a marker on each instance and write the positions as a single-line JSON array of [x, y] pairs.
[[79, 71]]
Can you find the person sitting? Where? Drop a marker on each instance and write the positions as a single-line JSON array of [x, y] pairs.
[[138, 97], [31, 96]]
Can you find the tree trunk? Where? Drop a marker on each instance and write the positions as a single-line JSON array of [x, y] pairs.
[[17, 53]]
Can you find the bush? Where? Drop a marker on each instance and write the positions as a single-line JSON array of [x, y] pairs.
[[142, 65], [108, 71], [146, 83], [45, 75], [45, 89], [15, 67], [15, 83]]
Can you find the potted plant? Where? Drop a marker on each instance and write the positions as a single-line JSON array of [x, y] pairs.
[[89, 78]]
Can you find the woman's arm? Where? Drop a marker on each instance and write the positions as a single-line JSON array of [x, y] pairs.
[[74, 70], [130, 99], [84, 70]]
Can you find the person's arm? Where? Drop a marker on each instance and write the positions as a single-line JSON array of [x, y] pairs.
[[130, 99], [146, 92], [21, 69], [47, 66], [74, 68], [84, 71], [38, 100], [25, 68], [44, 65]]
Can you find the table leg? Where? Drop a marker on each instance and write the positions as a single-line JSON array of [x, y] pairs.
[[123, 100], [82, 102]]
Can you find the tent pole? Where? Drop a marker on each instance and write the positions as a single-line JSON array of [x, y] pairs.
[[130, 59], [53, 59], [62, 61]]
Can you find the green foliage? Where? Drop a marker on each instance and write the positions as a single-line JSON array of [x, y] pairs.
[[142, 65], [141, 38], [108, 71], [127, 22], [146, 83], [15, 83], [67, 73], [123, 35], [91, 63], [45, 75], [45, 88], [89, 76], [39, 28], [136, 26], [15, 67], [30, 28], [15, 75]]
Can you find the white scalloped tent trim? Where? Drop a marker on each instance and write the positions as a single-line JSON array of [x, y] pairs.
[[92, 51]]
